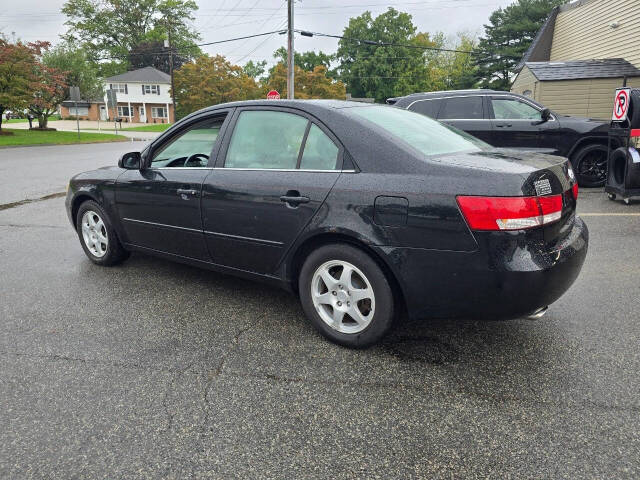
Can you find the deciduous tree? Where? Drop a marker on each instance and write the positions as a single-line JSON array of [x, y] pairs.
[[307, 84], [16, 76], [114, 28], [49, 87], [79, 70], [384, 71], [209, 81]]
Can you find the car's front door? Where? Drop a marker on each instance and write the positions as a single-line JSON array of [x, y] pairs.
[[275, 171], [159, 205], [468, 114], [517, 124]]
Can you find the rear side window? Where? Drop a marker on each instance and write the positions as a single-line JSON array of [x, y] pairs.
[[426, 107], [266, 139], [279, 140], [422, 133], [463, 108], [320, 153]]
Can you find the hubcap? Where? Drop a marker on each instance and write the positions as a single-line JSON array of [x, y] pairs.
[[94, 233], [342, 296]]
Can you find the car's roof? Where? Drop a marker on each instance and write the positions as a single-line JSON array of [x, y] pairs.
[[300, 104]]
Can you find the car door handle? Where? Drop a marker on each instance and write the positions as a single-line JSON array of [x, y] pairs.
[[187, 191], [504, 125], [294, 199]]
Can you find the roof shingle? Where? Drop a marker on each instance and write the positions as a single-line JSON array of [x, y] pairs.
[[580, 69], [146, 74]]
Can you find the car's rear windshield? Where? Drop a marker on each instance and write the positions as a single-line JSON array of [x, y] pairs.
[[422, 133]]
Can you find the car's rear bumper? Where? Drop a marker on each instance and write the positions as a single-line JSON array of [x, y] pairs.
[[510, 276]]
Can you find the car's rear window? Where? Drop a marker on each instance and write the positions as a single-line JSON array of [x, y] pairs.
[[422, 133]]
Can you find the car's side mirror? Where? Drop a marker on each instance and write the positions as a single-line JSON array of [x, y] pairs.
[[545, 114], [131, 161]]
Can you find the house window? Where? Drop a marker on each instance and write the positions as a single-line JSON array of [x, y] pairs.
[[151, 89], [528, 93], [119, 87], [123, 111], [80, 111], [159, 112]]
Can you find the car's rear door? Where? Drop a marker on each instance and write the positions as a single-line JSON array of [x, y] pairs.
[[467, 113], [159, 205], [274, 173]]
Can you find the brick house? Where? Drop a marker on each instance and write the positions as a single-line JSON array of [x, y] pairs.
[[143, 97]]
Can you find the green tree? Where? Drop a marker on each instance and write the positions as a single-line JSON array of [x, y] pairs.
[[78, 68], [384, 71], [114, 28], [153, 53], [454, 70], [210, 81], [507, 37], [305, 60], [16, 76], [255, 70]]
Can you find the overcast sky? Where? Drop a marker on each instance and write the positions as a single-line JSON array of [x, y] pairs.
[[221, 19]]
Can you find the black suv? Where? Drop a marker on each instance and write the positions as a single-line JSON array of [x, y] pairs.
[[509, 120]]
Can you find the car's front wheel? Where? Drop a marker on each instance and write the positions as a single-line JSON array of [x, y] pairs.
[[97, 235], [590, 165], [346, 295]]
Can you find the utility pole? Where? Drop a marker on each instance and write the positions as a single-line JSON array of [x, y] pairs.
[[290, 53], [173, 90]]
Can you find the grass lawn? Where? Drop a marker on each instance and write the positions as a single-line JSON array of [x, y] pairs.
[[34, 137], [154, 127]]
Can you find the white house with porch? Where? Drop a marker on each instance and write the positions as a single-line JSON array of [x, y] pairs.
[[143, 97]]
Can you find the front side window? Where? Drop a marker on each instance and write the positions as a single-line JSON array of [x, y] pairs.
[[513, 109], [467, 108], [190, 148], [420, 132], [266, 139]]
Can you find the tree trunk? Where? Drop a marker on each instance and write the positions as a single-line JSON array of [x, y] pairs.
[[42, 121]]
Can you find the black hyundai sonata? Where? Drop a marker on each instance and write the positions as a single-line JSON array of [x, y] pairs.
[[363, 211]]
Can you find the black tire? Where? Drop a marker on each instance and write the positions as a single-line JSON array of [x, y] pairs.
[[383, 313], [115, 252], [590, 165]]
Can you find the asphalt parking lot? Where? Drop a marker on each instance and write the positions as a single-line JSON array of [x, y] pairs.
[[159, 370]]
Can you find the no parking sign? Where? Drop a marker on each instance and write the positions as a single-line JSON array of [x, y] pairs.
[[621, 104]]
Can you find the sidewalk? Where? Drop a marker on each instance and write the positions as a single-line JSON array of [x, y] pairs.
[[92, 127]]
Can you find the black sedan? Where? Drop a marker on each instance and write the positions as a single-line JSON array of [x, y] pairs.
[[363, 211]]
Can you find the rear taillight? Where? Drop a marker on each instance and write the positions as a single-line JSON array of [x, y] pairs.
[[574, 190], [510, 213]]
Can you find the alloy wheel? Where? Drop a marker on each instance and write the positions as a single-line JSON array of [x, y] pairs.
[[343, 297], [94, 233], [594, 166]]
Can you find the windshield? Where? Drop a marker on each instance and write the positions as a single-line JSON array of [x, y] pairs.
[[426, 135]]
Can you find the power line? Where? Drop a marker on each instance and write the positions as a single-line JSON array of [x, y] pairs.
[[376, 43]]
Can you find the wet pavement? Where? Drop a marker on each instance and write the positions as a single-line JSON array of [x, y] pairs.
[[158, 370]]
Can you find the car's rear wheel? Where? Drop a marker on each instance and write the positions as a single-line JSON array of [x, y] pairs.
[[346, 295], [590, 165], [97, 236]]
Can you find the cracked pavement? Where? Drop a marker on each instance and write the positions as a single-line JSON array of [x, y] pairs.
[[158, 370]]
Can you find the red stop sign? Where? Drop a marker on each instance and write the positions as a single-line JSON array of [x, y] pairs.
[[273, 95]]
